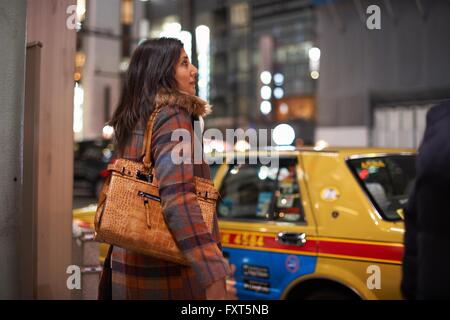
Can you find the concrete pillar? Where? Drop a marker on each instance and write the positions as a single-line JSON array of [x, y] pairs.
[[47, 24]]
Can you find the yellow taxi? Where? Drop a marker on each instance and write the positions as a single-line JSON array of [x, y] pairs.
[[312, 224]]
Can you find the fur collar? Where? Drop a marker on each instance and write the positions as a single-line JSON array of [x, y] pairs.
[[193, 104]]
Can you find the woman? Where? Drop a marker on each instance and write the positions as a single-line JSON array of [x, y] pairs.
[[161, 75]]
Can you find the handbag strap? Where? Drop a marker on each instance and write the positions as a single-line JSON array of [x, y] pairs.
[[146, 147]]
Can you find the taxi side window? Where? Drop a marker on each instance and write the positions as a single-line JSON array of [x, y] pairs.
[[260, 192], [247, 192], [288, 206]]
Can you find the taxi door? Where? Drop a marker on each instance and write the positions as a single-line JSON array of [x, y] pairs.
[[267, 227]]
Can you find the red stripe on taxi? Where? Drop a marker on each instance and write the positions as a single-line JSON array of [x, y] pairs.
[[344, 249], [250, 240], [361, 250]]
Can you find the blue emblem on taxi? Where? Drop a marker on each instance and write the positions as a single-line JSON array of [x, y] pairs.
[[292, 263]]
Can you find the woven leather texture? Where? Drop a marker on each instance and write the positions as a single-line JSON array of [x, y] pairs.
[[128, 215]]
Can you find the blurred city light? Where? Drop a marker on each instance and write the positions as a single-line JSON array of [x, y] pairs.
[[207, 148], [266, 107], [320, 145], [77, 76], [278, 78], [235, 170], [202, 35], [263, 172], [107, 132], [266, 92], [315, 75], [284, 148], [314, 62], [242, 146], [283, 134], [78, 101], [217, 145], [265, 77], [171, 30], [127, 12], [278, 93], [81, 9], [144, 27], [186, 38], [107, 153], [123, 67], [210, 145], [80, 59], [314, 54], [284, 108]]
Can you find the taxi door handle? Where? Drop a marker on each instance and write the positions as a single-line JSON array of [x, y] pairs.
[[298, 239]]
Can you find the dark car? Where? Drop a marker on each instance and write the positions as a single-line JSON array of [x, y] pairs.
[[91, 158]]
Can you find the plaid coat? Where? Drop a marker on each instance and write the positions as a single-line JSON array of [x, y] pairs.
[[136, 276]]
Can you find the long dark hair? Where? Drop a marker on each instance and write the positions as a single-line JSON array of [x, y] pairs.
[[152, 67]]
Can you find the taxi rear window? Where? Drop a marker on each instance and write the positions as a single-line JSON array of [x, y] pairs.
[[387, 180]]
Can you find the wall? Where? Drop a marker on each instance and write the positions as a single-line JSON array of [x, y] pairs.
[[409, 55]]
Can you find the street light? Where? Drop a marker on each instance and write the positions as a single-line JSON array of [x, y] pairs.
[[315, 75], [266, 107], [263, 172], [265, 77], [314, 54], [266, 92], [278, 78], [202, 35], [320, 145], [314, 62], [278, 93], [242, 146], [108, 132], [186, 38], [283, 134]]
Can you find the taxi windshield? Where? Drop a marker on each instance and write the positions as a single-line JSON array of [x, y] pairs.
[[387, 180]]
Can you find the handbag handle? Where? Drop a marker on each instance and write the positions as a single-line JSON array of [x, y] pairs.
[[146, 148]]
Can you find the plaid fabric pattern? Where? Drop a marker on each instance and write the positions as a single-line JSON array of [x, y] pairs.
[[136, 276]]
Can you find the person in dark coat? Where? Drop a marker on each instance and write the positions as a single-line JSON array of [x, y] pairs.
[[426, 261]]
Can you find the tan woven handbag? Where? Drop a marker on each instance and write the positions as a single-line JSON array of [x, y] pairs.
[[129, 212]]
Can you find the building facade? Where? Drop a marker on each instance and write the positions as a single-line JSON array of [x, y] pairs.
[[376, 85], [108, 31], [231, 42], [311, 64]]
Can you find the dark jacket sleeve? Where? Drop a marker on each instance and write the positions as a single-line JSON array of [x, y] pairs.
[[427, 219], [179, 201], [409, 279]]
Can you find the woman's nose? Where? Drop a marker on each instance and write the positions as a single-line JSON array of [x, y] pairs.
[[194, 71]]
